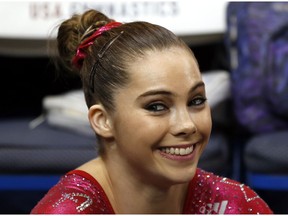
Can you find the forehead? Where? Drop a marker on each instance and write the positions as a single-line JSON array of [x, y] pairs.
[[168, 65]]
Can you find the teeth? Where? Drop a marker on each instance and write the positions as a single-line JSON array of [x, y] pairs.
[[178, 151]]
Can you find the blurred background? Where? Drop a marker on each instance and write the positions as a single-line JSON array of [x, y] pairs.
[[241, 48]]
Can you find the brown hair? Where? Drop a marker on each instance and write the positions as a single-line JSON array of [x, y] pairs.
[[136, 38]]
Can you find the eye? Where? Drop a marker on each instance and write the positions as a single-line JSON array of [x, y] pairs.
[[156, 107], [198, 101]]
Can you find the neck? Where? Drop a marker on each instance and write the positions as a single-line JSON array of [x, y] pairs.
[[147, 200], [129, 195]]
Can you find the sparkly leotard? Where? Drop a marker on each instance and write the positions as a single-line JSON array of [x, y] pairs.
[[79, 193]]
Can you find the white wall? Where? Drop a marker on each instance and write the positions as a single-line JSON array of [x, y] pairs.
[[36, 19]]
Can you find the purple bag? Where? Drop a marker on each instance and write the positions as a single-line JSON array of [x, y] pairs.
[[257, 42]]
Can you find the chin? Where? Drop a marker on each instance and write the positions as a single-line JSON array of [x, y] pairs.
[[183, 176]]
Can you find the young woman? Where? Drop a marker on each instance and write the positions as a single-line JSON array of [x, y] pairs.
[[147, 106]]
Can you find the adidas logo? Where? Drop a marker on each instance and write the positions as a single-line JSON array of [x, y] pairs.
[[214, 208]]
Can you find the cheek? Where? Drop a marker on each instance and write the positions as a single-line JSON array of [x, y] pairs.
[[204, 126], [204, 123], [149, 132], [140, 130], [155, 132]]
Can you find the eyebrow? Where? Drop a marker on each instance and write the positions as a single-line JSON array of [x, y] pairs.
[[165, 92]]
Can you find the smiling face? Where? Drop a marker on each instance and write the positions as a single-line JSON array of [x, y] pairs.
[[162, 121]]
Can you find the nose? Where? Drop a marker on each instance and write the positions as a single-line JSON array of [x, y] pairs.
[[182, 123]]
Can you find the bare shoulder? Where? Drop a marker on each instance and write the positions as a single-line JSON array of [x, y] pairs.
[[93, 166], [97, 169]]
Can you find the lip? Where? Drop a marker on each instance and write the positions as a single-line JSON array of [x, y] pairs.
[[184, 145], [175, 157]]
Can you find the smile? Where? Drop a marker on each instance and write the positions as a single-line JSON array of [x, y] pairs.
[[178, 151]]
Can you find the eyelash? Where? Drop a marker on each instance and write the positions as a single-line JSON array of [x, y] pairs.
[[198, 101], [154, 107]]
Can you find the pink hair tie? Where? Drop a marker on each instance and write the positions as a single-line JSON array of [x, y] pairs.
[[80, 53]]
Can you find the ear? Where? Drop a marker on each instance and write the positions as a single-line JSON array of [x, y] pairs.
[[100, 121]]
